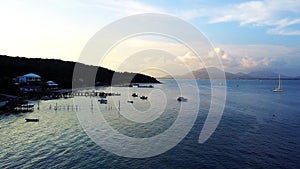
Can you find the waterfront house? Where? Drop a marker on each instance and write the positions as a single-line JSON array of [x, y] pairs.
[[52, 85], [28, 78], [29, 83]]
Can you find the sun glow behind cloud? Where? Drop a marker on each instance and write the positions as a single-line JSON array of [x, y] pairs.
[[158, 56], [27, 31]]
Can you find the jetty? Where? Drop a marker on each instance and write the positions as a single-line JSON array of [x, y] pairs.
[[15, 104], [26, 107], [70, 94]]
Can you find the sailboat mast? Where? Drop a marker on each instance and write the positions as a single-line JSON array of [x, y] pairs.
[[279, 82], [279, 85]]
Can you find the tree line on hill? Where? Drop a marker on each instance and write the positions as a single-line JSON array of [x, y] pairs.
[[61, 72]]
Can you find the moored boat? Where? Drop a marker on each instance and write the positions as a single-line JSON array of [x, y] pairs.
[[32, 119], [181, 99], [143, 97], [146, 86], [102, 101], [134, 95]]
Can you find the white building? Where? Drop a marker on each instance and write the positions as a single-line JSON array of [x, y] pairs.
[[30, 77], [29, 83], [52, 84]]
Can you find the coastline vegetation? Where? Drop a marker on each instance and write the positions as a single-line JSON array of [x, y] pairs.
[[61, 72]]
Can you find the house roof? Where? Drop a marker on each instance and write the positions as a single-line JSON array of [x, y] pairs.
[[32, 75], [51, 83]]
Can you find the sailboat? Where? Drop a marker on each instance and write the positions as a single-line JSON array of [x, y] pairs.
[[278, 89]]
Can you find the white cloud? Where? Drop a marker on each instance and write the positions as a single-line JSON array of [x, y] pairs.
[[258, 50], [187, 57], [190, 60], [221, 53], [265, 13], [246, 58], [127, 7], [279, 15], [249, 62]]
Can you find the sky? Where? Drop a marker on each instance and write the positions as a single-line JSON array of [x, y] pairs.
[[245, 35]]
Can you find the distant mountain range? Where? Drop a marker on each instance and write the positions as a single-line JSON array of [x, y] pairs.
[[203, 74]]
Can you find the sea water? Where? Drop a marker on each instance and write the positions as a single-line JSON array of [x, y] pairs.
[[258, 129]]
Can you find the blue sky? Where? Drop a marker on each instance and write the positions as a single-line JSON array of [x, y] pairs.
[[248, 35]]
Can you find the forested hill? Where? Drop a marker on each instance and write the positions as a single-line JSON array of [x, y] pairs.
[[61, 72]]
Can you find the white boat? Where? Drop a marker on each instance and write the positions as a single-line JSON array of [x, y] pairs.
[[28, 107], [134, 95], [143, 97], [146, 86], [181, 99], [103, 101], [278, 89]]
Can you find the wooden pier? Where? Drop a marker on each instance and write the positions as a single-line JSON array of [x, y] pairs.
[[70, 94], [67, 107], [24, 107]]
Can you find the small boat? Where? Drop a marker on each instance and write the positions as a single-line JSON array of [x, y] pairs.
[[129, 101], [26, 107], [3, 103], [102, 101], [181, 99], [146, 86], [46, 98], [134, 95], [134, 85], [32, 120], [143, 97], [278, 89]]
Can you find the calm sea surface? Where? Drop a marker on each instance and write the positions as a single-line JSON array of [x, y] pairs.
[[259, 129]]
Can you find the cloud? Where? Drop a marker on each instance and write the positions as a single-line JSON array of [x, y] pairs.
[[190, 60], [246, 58], [282, 27], [189, 56], [244, 63], [127, 7], [226, 59], [259, 50], [281, 16], [265, 13], [248, 62], [221, 53]]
